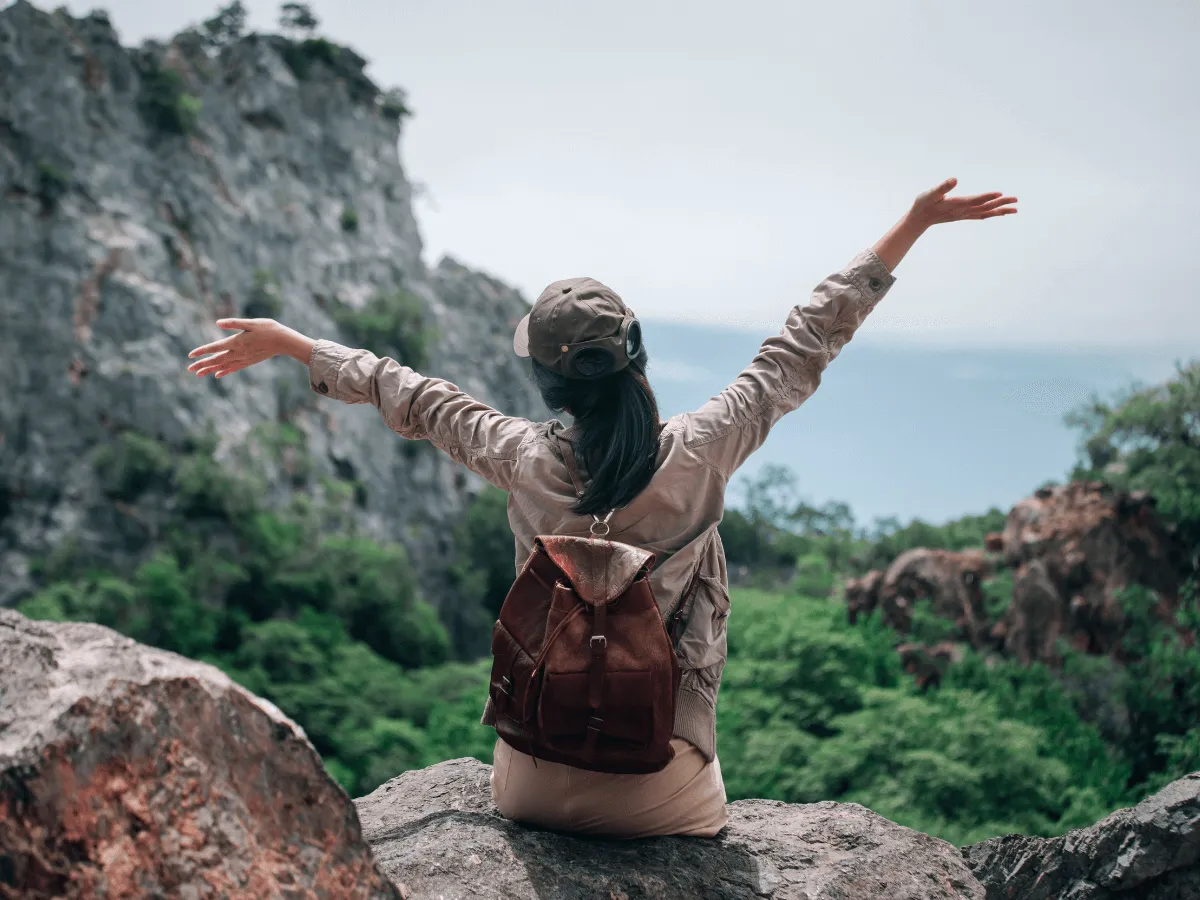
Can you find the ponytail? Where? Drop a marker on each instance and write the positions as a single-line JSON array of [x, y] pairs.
[[617, 421]]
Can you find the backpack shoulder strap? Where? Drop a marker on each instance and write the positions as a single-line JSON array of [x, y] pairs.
[[568, 455], [599, 527]]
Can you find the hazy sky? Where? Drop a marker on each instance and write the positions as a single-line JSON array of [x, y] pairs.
[[712, 161]]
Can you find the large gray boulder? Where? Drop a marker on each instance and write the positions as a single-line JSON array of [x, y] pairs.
[[1149, 852], [437, 835], [130, 772]]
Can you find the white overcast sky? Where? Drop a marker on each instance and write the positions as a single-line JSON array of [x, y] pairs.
[[710, 160]]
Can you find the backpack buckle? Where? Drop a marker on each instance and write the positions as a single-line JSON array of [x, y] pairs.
[[598, 640]]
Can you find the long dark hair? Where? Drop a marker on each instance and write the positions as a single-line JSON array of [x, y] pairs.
[[617, 425]]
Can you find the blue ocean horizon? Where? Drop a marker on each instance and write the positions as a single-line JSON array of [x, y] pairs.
[[911, 431]]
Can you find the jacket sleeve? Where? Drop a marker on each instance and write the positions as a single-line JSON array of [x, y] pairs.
[[788, 367], [421, 408]]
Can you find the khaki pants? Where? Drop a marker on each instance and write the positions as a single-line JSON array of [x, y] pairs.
[[687, 797]]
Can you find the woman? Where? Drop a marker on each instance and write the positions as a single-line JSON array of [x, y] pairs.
[[665, 480]]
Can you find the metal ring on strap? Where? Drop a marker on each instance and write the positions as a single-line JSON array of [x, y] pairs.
[[600, 523]]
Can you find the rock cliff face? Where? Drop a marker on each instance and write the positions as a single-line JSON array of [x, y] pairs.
[[147, 192], [1071, 550], [951, 580], [127, 771]]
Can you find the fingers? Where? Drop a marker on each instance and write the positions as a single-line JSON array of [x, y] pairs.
[[221, 369], [980, 206], [242, 324], [1004, 205], [976, 199], [944, 187], [216, 346], [208, 366], [226, 342], [936, 193], [219, 364], [205, 364]]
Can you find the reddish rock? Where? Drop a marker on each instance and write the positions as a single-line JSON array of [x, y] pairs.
[[130, 772], [928, 663], [1073, 548], [951, 580], [862, 594]]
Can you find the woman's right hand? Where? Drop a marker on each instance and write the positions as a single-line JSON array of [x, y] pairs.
[[257, 340]]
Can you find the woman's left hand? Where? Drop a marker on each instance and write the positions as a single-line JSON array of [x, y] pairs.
[[257, 340], [932, 207]]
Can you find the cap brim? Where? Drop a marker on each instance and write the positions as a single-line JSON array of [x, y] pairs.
[[521, 338]]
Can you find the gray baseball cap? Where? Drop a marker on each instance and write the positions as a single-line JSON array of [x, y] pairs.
[[579, 328]]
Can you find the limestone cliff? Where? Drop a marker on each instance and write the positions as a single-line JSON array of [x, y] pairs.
[[147, 192]]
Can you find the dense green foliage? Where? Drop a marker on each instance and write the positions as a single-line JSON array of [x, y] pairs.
[[52, 184], [330, 626], [164, 104], [265, 300], [391, 322], [326, 624], [297, 18], [394, 105], [485, 561], [1150, 440], [226, 26], [775, 528], [812, 708], [306, 57]]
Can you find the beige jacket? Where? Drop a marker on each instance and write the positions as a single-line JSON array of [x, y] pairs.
[[676, 515]]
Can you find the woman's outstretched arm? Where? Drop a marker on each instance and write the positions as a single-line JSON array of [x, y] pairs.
[[788, 367], [415, 406]]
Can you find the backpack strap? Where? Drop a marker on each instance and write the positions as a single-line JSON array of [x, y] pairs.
[[598, 645], [568, 455], [599, 527]]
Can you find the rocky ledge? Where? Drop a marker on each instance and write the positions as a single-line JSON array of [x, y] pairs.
[[436, 835], [127, 771]]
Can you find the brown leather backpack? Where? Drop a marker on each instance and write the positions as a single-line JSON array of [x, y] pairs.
[[583, 670]]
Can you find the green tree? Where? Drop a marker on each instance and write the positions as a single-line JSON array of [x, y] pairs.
[[297, 19], [1150, 440], [391, 321], [227, 26], [164, 103], [485, 561]]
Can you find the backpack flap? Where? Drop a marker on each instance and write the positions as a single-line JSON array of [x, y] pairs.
[[600, 571]]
